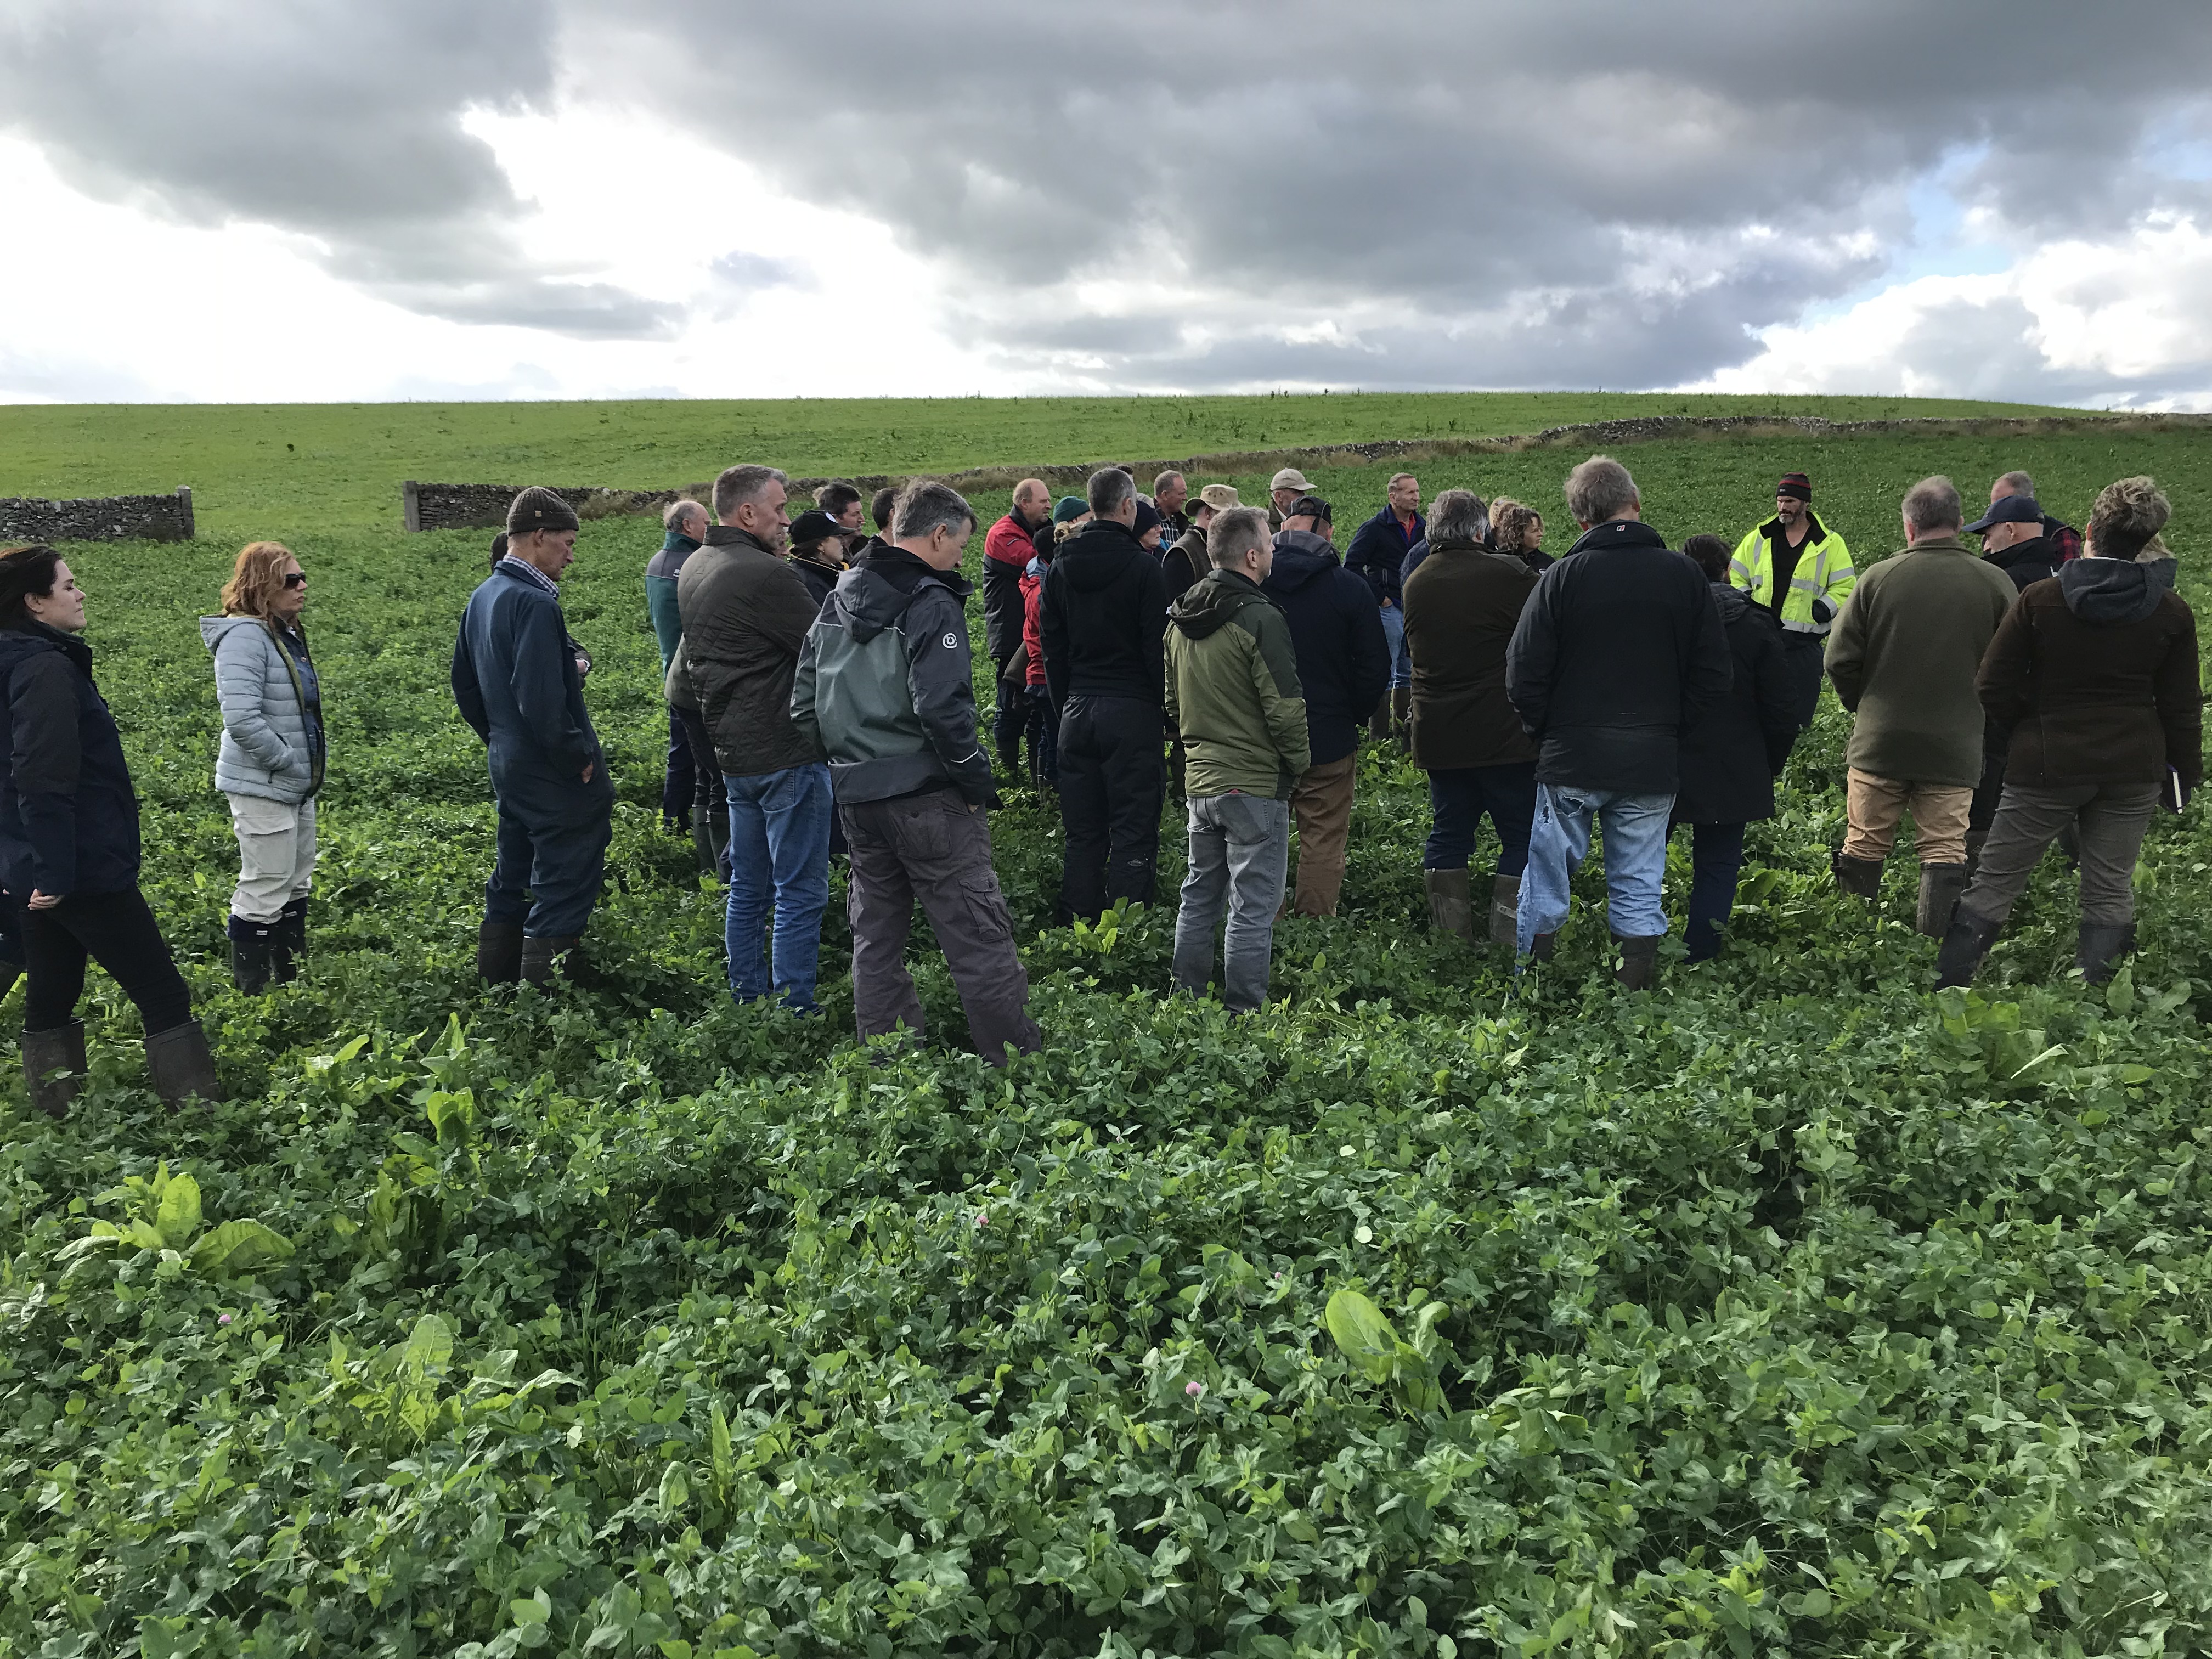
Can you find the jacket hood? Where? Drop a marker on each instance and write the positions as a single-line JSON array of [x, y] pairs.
[[1300, 556], [2114, 590], [212, 628], [1733, 601], [1210, 603], [872, 597], [1098, 555]]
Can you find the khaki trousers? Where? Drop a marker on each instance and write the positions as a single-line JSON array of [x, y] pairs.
[[1874, 805], [1321, 801], [276, 854]]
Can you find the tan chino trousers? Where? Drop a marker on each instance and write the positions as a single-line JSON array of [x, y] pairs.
[[1874, 805], [1321, 801]]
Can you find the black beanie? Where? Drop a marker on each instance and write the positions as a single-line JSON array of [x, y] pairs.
[[1795, 483], [539, 509]]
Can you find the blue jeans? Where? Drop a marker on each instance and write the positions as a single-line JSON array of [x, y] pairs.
[[1635, 828], [778, 855], [1715, 862], [1459, 796], [1393, 636]]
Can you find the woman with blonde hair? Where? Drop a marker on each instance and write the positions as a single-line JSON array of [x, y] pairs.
[[270, 764]]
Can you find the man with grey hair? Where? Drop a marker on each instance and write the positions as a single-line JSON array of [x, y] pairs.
[[1101, 614], [2065, 540], [684, 525], [1902, 659], [1007, 549], [1617, 652], [745, 613], [884, 689]]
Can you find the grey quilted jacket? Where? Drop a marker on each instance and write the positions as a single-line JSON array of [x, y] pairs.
[[272, 714]]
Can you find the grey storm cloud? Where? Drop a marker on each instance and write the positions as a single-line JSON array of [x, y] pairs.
[[1561, 193]]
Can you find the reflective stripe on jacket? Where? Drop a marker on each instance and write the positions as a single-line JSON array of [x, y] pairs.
[[1824, 572]]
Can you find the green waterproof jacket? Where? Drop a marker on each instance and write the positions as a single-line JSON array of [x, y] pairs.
[[1232, 690]]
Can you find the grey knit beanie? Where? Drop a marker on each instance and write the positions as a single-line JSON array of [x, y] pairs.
[[539, 509]]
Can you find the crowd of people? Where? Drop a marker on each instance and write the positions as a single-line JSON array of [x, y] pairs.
[[818, 674]]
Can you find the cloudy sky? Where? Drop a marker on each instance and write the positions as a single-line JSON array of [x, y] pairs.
[[320, 199]]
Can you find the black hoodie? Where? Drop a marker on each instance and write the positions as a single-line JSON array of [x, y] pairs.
[[1102, 612], [1344, 660]]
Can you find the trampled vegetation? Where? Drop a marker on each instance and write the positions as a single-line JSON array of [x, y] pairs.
[[1791, 1310]]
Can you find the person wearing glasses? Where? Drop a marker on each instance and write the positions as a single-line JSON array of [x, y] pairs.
[[70, 849], [270, 763]]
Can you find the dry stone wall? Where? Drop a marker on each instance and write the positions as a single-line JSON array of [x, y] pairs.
[[442, 506], [102, 518]]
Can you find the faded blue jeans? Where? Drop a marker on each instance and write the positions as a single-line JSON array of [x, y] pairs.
[[1240, 853], [779, 859], [1635, 829]]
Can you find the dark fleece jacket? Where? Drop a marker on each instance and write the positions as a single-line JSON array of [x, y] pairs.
[[68, 818], [2095, 671], [1732, 752], [1344, 660], [1617, 652], [1102, 614]]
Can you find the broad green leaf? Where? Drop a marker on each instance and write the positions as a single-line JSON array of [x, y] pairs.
[[239, 1247], [528, 1613], [429, 1344], [2120, 993], [675, 1490], [1362, 1334], [177, 1217], [725, 1466]]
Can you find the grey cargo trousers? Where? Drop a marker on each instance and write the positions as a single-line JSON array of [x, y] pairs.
[[932, 848]]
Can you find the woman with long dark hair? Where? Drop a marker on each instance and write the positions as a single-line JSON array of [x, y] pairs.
[[270, 764], [69, 846]]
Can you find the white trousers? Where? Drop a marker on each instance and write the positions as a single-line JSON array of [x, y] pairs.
[[276, 854]]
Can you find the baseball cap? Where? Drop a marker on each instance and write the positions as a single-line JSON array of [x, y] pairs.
[[1288, 478], [814, 526], [1219, 497], [1311, 507], [2008, 510]]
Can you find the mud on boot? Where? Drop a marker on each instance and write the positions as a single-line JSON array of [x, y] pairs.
[[181, 1067], [1941, 886], [47, 1052], [1504, 910]]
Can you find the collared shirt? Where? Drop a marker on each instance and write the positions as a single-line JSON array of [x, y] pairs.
[[515, 567]]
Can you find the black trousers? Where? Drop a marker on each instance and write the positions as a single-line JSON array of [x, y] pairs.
[[117, 931], [1804, 671], [680, 783], [1111, 780]]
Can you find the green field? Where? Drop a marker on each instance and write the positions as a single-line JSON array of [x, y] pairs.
[[275, 468], [1790, 1310]]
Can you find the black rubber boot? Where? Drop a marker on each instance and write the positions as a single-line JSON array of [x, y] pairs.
[[1860, 877], [499, 952], [181, 1065], [1966, 942], [291, 940], [1941, 886], [1541, 947], [543, 957], [1639, 961], [253, 954], [53, 1065], [1451, 902], [2098, 950]]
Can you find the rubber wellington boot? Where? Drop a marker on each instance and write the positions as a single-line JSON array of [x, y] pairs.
[[1860, 877], [1940, 886], [1966, 942], [1504, 910], [499, 952], [1378, 723], [53, 1065], [181, 1065], [1542, 947], [1639, 961], [291, 940], [543, 957], [2097, 951], [1451, 902], [253, 954], [1401, 714]]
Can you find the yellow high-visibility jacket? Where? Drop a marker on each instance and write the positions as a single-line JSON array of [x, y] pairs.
[[1823, 573]]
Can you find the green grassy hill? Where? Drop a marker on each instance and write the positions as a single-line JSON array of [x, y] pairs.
[[259, 469]]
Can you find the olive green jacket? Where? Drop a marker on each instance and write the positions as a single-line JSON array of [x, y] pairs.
[[1232, 690]]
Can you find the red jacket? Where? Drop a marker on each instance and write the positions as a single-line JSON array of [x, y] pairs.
[[1033, 626], [1008, 542]]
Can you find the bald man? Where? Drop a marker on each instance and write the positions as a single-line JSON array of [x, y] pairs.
[[1006, 552]]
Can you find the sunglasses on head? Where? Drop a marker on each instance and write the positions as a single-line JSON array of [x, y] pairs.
[[296, 579]]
